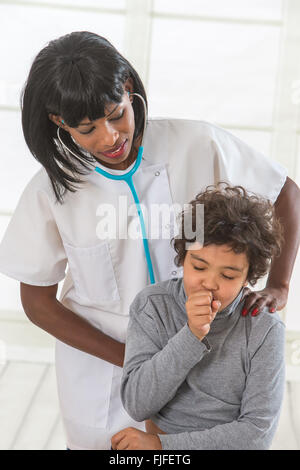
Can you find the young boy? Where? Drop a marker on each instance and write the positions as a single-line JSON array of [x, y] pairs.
[[203, 375]]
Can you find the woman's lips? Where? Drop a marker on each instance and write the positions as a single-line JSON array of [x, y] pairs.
[[118, 152]]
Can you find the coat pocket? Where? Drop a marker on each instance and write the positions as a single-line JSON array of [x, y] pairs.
[[93, 273]]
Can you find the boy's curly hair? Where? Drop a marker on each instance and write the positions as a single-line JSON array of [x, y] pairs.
[[234, 217]]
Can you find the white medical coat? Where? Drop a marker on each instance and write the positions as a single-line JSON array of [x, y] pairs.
[[181, 157]]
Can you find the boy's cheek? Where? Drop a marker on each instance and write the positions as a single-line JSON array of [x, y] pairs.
[[191, 285], [227, 294]]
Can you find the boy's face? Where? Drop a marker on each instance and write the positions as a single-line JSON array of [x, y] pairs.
[[215, 268]]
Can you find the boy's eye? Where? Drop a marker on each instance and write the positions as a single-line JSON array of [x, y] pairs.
[[202, 269]]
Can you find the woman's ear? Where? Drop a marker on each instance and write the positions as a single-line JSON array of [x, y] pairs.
[[56, 119], [128, 85]]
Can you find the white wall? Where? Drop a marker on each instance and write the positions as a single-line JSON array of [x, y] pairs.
[[232, 62], [219, 61]]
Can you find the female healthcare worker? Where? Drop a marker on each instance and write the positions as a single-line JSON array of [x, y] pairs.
[[82, 109]]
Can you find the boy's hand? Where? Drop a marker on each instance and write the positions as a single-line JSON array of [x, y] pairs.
[[134, 439], [201, 310]]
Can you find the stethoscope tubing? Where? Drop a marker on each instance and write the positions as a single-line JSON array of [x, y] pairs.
[[127, 177]]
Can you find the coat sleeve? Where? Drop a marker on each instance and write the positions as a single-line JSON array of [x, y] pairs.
[[31, 250], [202, 154], [239, 164], [260, 407]]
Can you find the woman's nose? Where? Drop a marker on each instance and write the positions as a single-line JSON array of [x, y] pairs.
[[108, 136]]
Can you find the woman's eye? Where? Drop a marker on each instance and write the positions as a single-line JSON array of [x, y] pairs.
[[118, 117], [227, 277], [88, 132], [198, 269], [113, 119]]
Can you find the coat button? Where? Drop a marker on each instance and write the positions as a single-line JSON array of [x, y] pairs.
[[157, 173], [174, 273]]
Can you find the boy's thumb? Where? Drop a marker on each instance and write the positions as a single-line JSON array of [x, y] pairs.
[[216, 305]]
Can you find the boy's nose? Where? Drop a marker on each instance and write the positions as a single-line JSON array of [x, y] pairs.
[[210, 284]]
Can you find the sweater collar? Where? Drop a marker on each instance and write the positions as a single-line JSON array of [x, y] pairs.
[[182, 298]]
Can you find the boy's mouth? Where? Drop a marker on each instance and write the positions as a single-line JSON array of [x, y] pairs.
[[215, 298]]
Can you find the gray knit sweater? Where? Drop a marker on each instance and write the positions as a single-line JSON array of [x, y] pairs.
[[224, 392]]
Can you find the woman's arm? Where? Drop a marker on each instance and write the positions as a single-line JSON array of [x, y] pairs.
[[275, 294], [44, 310], [151, 373]]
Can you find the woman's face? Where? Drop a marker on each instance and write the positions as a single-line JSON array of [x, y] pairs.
[[215, 268], [110, 138]]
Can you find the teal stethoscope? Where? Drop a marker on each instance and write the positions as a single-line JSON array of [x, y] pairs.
[[127, 177]]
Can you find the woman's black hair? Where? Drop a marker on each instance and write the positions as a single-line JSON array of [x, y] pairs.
[[74, 76]]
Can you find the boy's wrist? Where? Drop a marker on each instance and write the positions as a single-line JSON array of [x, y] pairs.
[[201, 338], [199, 334]]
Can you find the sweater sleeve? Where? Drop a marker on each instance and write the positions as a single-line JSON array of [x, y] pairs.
[[152, 373], [260, 407]]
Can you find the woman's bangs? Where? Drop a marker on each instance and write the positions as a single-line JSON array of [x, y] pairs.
[[73, 111], [91, 104]]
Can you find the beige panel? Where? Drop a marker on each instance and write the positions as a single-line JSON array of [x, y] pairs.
[[44, 24], [17, 386], [17, 165], [213, 71], [57, 440], [23, 341], [259, 9], [285, 438], [41, 417], [85, 4]]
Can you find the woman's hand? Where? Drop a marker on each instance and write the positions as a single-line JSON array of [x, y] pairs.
[[134, 439], [271, 297]]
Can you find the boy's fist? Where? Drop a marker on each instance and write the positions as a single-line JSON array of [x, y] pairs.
[[201, 309]]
